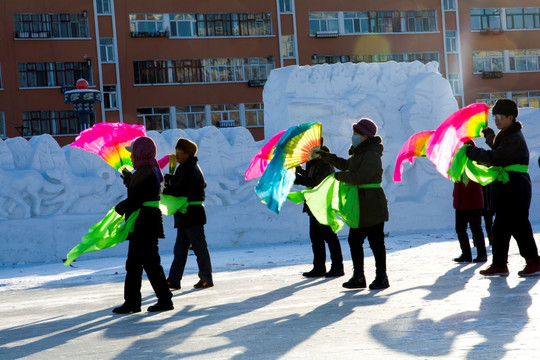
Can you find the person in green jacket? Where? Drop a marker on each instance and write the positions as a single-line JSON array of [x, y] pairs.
[[364, 169]]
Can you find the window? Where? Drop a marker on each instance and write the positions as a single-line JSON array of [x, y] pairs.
[[449, 5], [399, 57], [106, 49], [453, 79], [523, 18], [103, 7], [236, 24], [183, 25], [322, 21], [2, 125], [451, 41], [109, 97], [285, 6], [490, 98], [146, 24], [254, 114], [51, 122], [190, 117], [53, 74], [202, 70], [488, 61], [356, 22], [483, 19], [154, 118], [527, 98], [226, 115], [524, 60], [51, 25], [287, 46]]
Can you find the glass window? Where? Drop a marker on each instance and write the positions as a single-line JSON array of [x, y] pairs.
[[190, 117], [107, 50], [524, 60], [51, 25], [488, 61], [285, 6], [183, 25], [323, 21], [109, 97], [52, 122], [103, 7], [449, 5], [254, 114], [53, 74], [287, 46], [2, 125], [451, 41], [523, 18], [155, 118], [483, 19], [453, 79]]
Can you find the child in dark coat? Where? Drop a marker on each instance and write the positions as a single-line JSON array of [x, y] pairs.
[[469, 202], [316, 171], [143, 186], [188, 181]]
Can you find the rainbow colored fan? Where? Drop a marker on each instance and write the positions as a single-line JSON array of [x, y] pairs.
[[109, 141]]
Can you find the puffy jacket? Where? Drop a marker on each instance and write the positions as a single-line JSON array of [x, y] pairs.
[[188, 181], [143, 186], [364, 167], [507, 148]]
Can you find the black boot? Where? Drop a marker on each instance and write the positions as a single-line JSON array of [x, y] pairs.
[[358, 281], [126, 309], [162, 305], [463, 258], [380, 282], [335, 271], [314, 273]]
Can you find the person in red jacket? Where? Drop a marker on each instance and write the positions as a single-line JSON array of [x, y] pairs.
[[469, 202]]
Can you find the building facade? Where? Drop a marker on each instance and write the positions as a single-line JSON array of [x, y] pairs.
[[186, 64]]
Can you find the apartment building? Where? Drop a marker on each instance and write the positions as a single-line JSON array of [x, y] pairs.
[[187, 64]]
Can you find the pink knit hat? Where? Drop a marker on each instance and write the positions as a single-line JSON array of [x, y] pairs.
[[366, 126], [143, 152]]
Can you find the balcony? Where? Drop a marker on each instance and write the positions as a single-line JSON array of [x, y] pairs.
[[135, 34], [32, 34]]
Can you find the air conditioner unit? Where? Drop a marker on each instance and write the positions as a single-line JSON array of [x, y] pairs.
[[326, 34], [255, 83]]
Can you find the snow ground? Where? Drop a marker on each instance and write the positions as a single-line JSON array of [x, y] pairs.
[[262, 308]]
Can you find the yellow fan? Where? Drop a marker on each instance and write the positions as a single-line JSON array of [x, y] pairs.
[[302, 147]]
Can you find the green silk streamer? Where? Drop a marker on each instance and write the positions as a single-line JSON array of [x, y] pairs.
[[332, 198], [481, 174], [111, 231]]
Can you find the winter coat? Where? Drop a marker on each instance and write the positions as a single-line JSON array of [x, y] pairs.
[[316, 171], [188, 181], [507, 148], [364, 167], [468, 197], [143, 186]]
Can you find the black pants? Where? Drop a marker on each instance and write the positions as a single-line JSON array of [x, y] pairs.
[[472, 218], [194, 236], [513, 223], [375, 235], [143, 254], [319, 234]]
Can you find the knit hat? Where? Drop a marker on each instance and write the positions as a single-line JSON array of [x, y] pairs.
[[187, 146], [505, 107], [143, 152], [366, 126]]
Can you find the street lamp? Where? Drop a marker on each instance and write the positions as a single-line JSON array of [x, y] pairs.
[[83, 100]]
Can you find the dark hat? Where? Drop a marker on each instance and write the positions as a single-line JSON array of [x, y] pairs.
[[505, 107], [187, 146], [366, 126]]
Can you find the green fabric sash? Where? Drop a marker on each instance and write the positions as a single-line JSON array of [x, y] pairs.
[[481, 174], [112, 230], [332, 198]]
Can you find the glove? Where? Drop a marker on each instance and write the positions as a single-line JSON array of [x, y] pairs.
[[488, 132], [126, 177], [468, 149], [120, 209], [338, 175], [168, 178], [321, 154]]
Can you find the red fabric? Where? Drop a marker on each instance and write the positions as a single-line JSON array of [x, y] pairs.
[[468, 197]]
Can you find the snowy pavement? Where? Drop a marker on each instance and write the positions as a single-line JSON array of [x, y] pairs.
[[262, 308]]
